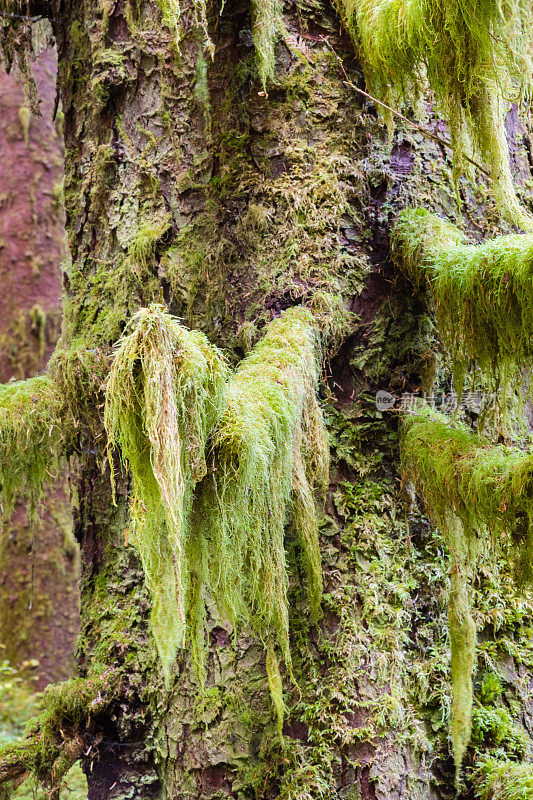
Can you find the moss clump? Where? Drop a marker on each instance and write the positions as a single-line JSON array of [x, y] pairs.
[[167, 391], [270, 451], [497, 779], [143, 244], [495, 725], [483, 293], [163, 397], [491, 688], [471, 55], [31, 440], [483, 484]]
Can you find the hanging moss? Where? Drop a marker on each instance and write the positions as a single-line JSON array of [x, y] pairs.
[[483, 293], [471, 54], [163, 397], [267, 26], [270, 450], [462, 641], [483, 484], [31, 440], [171, 12], [496, 779], [469, 486], [275, 684]]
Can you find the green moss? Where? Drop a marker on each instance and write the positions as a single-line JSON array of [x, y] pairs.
[[275, 684], [271, 449], [52, 743], [267, 26], [469, 486], [500, 779], [470, 56], [483, 293], [494, 726], [484, 485], [491, 688], [143, 244], [171, 11], [462, 644], [163, 397], [32, 440]]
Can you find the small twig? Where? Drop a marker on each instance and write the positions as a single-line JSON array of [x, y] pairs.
[[22, 16], [419, 128]]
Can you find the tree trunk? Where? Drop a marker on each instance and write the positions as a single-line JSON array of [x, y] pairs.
[[188, 184], [38, 562]]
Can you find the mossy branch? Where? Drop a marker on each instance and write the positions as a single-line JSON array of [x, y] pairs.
[[59, 736], [483, 293], [472, 56], [470, 486], [486, 486]]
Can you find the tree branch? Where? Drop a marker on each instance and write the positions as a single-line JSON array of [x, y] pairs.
[[60, 735]]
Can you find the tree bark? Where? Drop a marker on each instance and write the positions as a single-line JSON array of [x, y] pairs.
[[264, 200]]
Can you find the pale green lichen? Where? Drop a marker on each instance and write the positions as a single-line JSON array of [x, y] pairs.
[[163, 397], [472, 55], [483, 293]]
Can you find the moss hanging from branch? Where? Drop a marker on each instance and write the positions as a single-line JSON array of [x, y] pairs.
[[469, 485], [462, 640], [31, 440], [483, 293], [267, 26], [270, 450], [484, 485], [163, 397], [472, 55]]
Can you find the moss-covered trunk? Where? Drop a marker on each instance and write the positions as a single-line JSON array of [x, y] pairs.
[[188, 184]]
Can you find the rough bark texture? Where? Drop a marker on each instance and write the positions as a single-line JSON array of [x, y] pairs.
[[266, 201], [39, 564]]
